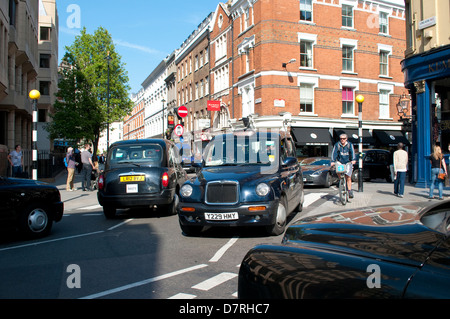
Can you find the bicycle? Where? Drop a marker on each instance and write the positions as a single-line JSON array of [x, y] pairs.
[[342, 170]]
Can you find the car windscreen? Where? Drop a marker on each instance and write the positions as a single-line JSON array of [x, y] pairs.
[[147, 155], [316, 161], [237, 150]]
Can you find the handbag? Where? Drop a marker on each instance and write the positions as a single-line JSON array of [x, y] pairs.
[[441, 175]]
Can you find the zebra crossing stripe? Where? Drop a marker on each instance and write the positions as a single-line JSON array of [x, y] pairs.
[[214, 281]]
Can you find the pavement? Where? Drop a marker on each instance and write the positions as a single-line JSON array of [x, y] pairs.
[[376, 192], [74, 199]]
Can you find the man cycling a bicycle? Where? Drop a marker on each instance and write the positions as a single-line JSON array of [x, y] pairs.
[[344, 153]]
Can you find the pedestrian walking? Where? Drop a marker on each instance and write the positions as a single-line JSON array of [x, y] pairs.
[[86, 160], [15, 158], [71, 165], [438, 171], [400, 161]]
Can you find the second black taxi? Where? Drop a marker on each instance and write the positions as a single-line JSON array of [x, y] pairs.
[[141, 174], [246, 178]]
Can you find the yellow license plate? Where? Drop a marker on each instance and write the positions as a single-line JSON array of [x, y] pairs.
[[132, 178]]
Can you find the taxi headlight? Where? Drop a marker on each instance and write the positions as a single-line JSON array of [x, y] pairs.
[[186, 190], [262, 189]]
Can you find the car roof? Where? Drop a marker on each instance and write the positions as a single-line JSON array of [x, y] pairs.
[[160, 141]]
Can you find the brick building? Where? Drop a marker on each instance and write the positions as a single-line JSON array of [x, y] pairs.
[[310, 59], [303, 63]]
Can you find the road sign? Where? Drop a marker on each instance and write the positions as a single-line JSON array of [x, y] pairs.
[[213, 105], [178, 130], [182, 111]]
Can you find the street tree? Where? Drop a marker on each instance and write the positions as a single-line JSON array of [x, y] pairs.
[[81, 111]]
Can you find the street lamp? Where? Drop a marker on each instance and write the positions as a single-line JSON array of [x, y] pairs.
[[403, 106], [290, 61], [108, 59], [360, 100], [35, 95]]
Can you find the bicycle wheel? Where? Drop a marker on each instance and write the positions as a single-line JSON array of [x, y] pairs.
[[343, 194]]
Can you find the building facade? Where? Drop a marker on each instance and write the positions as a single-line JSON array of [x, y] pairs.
[[300, 63], [427, 76], [308, 60], [19, 66], [47, 77]]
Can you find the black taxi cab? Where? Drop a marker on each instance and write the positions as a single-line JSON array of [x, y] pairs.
[[141, 173], [246, 178]]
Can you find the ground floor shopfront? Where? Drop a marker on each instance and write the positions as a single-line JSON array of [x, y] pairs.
[[316, 137], [427, 77]]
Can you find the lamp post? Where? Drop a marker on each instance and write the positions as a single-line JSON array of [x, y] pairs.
[[108, 59], [360, 100], [35, 95]]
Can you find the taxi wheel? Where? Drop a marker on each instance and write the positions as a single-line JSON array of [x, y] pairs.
[[280, 219], [171, 209], [109, 212], [191, 230], [35, 221]]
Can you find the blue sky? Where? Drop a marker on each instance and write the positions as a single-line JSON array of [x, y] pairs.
[[144, 31]]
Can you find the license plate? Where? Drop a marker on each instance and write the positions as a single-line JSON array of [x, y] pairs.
[[139, 178], [222, 216], [132, 188]]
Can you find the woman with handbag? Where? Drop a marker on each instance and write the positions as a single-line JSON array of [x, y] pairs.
[[438, 171]]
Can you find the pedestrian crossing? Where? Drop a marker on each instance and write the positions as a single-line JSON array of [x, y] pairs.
[[217, 281]]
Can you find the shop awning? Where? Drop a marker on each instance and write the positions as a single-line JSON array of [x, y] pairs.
[[390, 138], [311, 136], [353, 136]]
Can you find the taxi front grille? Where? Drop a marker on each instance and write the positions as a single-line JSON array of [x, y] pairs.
[[222, 192]]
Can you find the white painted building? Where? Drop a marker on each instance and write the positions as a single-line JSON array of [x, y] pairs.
[[155, 102]]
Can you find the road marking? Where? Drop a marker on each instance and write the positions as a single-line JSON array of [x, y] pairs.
[[90, 207], [52, 240], [214, 281], [118, 225], [144, 282], [223, 250], [311, 198], [182, 296]]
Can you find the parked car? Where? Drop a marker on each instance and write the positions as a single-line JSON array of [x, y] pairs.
[[316, 171], [399, 251], [29, 206], [376, 164], [141, 173], [246, 178]]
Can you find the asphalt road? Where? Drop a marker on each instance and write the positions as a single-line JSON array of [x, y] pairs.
[[142, 254]]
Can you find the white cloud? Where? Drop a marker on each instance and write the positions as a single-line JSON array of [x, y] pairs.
[[136, 46]]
